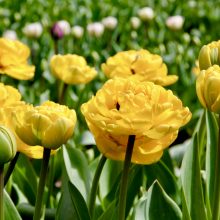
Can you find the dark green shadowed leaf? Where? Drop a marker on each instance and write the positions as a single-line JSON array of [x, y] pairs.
[[156, 204], [191, 182], [10, 211], [78, 203], [77, 169], [25, 178]]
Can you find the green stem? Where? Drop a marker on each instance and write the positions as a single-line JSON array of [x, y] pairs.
[[56, 51], [62, 92], [95, 182], [50, 180], [40, 191], [124, 180], [11, 168], [1, 192], [216, 208]]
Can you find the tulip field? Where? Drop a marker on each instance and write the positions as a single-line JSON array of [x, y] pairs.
[[109, 110]]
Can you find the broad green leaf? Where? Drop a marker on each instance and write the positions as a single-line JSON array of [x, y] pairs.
[[191, 182], [65, 207], [159, 171], [78, 203], [134, 184], [110, 212], [10, 210], [109, 181], [156, 204], [25, 178], [77, 169], [212, 145], [185, 211]]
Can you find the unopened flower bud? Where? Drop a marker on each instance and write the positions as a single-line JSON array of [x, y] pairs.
[[110, 22], [209, 55], [33, 30], [175, 22], [77, 31], [56, 32], [146, 13], [135, 22], [10, 34], [95, 29], [8, 146]]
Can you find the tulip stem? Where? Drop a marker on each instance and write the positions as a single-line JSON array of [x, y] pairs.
[[11, 168], [216, 208], [50, 180], [40, 191], [124, 178], [62, 92], [1, 192], [95, 182]]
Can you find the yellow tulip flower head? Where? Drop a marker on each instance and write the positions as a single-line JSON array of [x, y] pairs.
[[13, 59], [208, 88], [72, 69], [209, 55], [140, 65], [123, 107], [10, 100], [49, 125]]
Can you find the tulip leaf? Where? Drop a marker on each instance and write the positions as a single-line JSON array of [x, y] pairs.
[[77, 169], [212, 144], [65, 207], [156, 204], [10, 210], [164, 175], [192, 183], [110, 212], [109, 180], [78, 203], [25, 178]]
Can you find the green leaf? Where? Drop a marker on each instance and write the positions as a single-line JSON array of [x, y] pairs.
[[191, 182], [212, 144], [78, 204], [159, 171], [10, 210], [110, 212], [156, 205], [65, 207], [77, 169], [25, 178]]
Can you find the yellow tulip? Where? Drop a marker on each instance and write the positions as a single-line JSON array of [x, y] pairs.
[[72, 69], [49, 125], [10, 100], [208, 88], [123, 107], [209, 55], [13, 59], [140, 65]]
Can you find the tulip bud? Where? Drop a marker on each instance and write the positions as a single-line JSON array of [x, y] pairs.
[[209, 55], [135, 22], [10, 34], [146, 13], [8, 146], [208, 88], [33, 30], [175, 22], [110, 22], [95, 29], [77, 31], [56, 32]]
